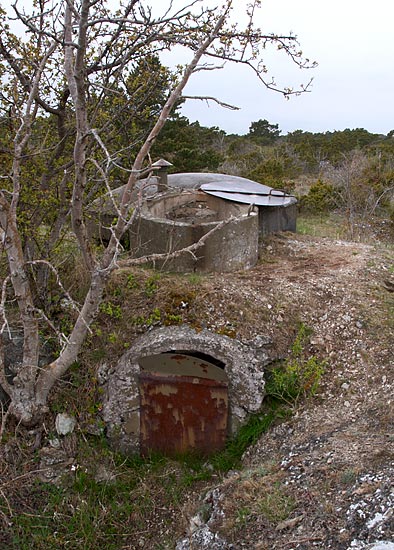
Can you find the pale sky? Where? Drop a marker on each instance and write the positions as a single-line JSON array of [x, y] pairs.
[[353, 87]]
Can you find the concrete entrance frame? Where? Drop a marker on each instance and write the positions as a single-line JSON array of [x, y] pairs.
[[243, 365]]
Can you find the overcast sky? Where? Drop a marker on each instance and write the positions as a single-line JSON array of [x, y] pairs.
[[353, 86]]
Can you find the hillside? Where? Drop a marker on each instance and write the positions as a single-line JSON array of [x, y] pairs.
[[322, 478]]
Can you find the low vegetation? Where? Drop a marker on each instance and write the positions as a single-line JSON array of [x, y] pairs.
[[299, 375], [103, 499]]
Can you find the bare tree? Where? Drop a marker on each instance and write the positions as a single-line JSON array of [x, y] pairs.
[[360, 184], [72, 58]]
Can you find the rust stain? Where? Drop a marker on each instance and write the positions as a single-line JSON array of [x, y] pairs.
[[204, 367], [182, 413], [178, 358]]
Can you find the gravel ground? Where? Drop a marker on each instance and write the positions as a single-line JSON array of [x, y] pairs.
[[324, 478]]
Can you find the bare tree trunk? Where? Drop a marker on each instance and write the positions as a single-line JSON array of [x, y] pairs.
[[137, 34], [75, 67], [33, 393]]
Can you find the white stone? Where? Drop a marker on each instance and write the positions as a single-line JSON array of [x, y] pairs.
[[380, 545], [195, 523], [65, 423], [55, 443]]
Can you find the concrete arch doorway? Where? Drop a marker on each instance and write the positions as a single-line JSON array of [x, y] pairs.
[[234, 370]]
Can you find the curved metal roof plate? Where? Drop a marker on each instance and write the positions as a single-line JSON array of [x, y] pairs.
[[248, 193]]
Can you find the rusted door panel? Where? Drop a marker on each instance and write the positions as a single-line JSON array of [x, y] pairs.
[[182, 413]]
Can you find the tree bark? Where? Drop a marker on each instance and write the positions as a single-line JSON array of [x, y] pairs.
[[135, 34]]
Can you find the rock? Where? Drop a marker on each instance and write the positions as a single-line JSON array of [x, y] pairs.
[[196, 523], [104, 474], [388, 285], [92, 427], [260, 341], [52, 457], [55, 443], [102, 373], [379, 545], [289, 523], [65, 423], [54, 464], [203, 539]]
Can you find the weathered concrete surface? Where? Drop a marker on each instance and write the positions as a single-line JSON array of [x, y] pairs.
[[274, 219], [244, 367], [163, 229], [271, 219]]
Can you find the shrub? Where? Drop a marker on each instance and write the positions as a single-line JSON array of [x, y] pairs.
[[298, 376], [320, 198]]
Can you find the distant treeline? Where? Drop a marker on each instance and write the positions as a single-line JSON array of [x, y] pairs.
[[263, 153]]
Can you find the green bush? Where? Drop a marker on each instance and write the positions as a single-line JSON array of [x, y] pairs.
[[269, 172], [320, 198], [298, 376]]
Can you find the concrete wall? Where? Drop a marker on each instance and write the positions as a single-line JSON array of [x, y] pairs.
[[274, 219], [234, 246]]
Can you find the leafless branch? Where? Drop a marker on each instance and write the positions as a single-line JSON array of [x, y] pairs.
[[104, 178], [214, 99], [63, 340], [69, 299], [171, 255], [379, 199], [5, 325], [4, 416]]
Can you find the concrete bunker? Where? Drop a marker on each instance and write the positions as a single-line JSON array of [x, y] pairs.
[[178, 209], [176, 220], [277, 219], [180, 390]]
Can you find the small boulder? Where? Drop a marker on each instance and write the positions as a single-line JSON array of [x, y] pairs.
[[65, 423]]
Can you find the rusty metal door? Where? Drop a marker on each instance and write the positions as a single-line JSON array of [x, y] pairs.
[[182, 413]]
